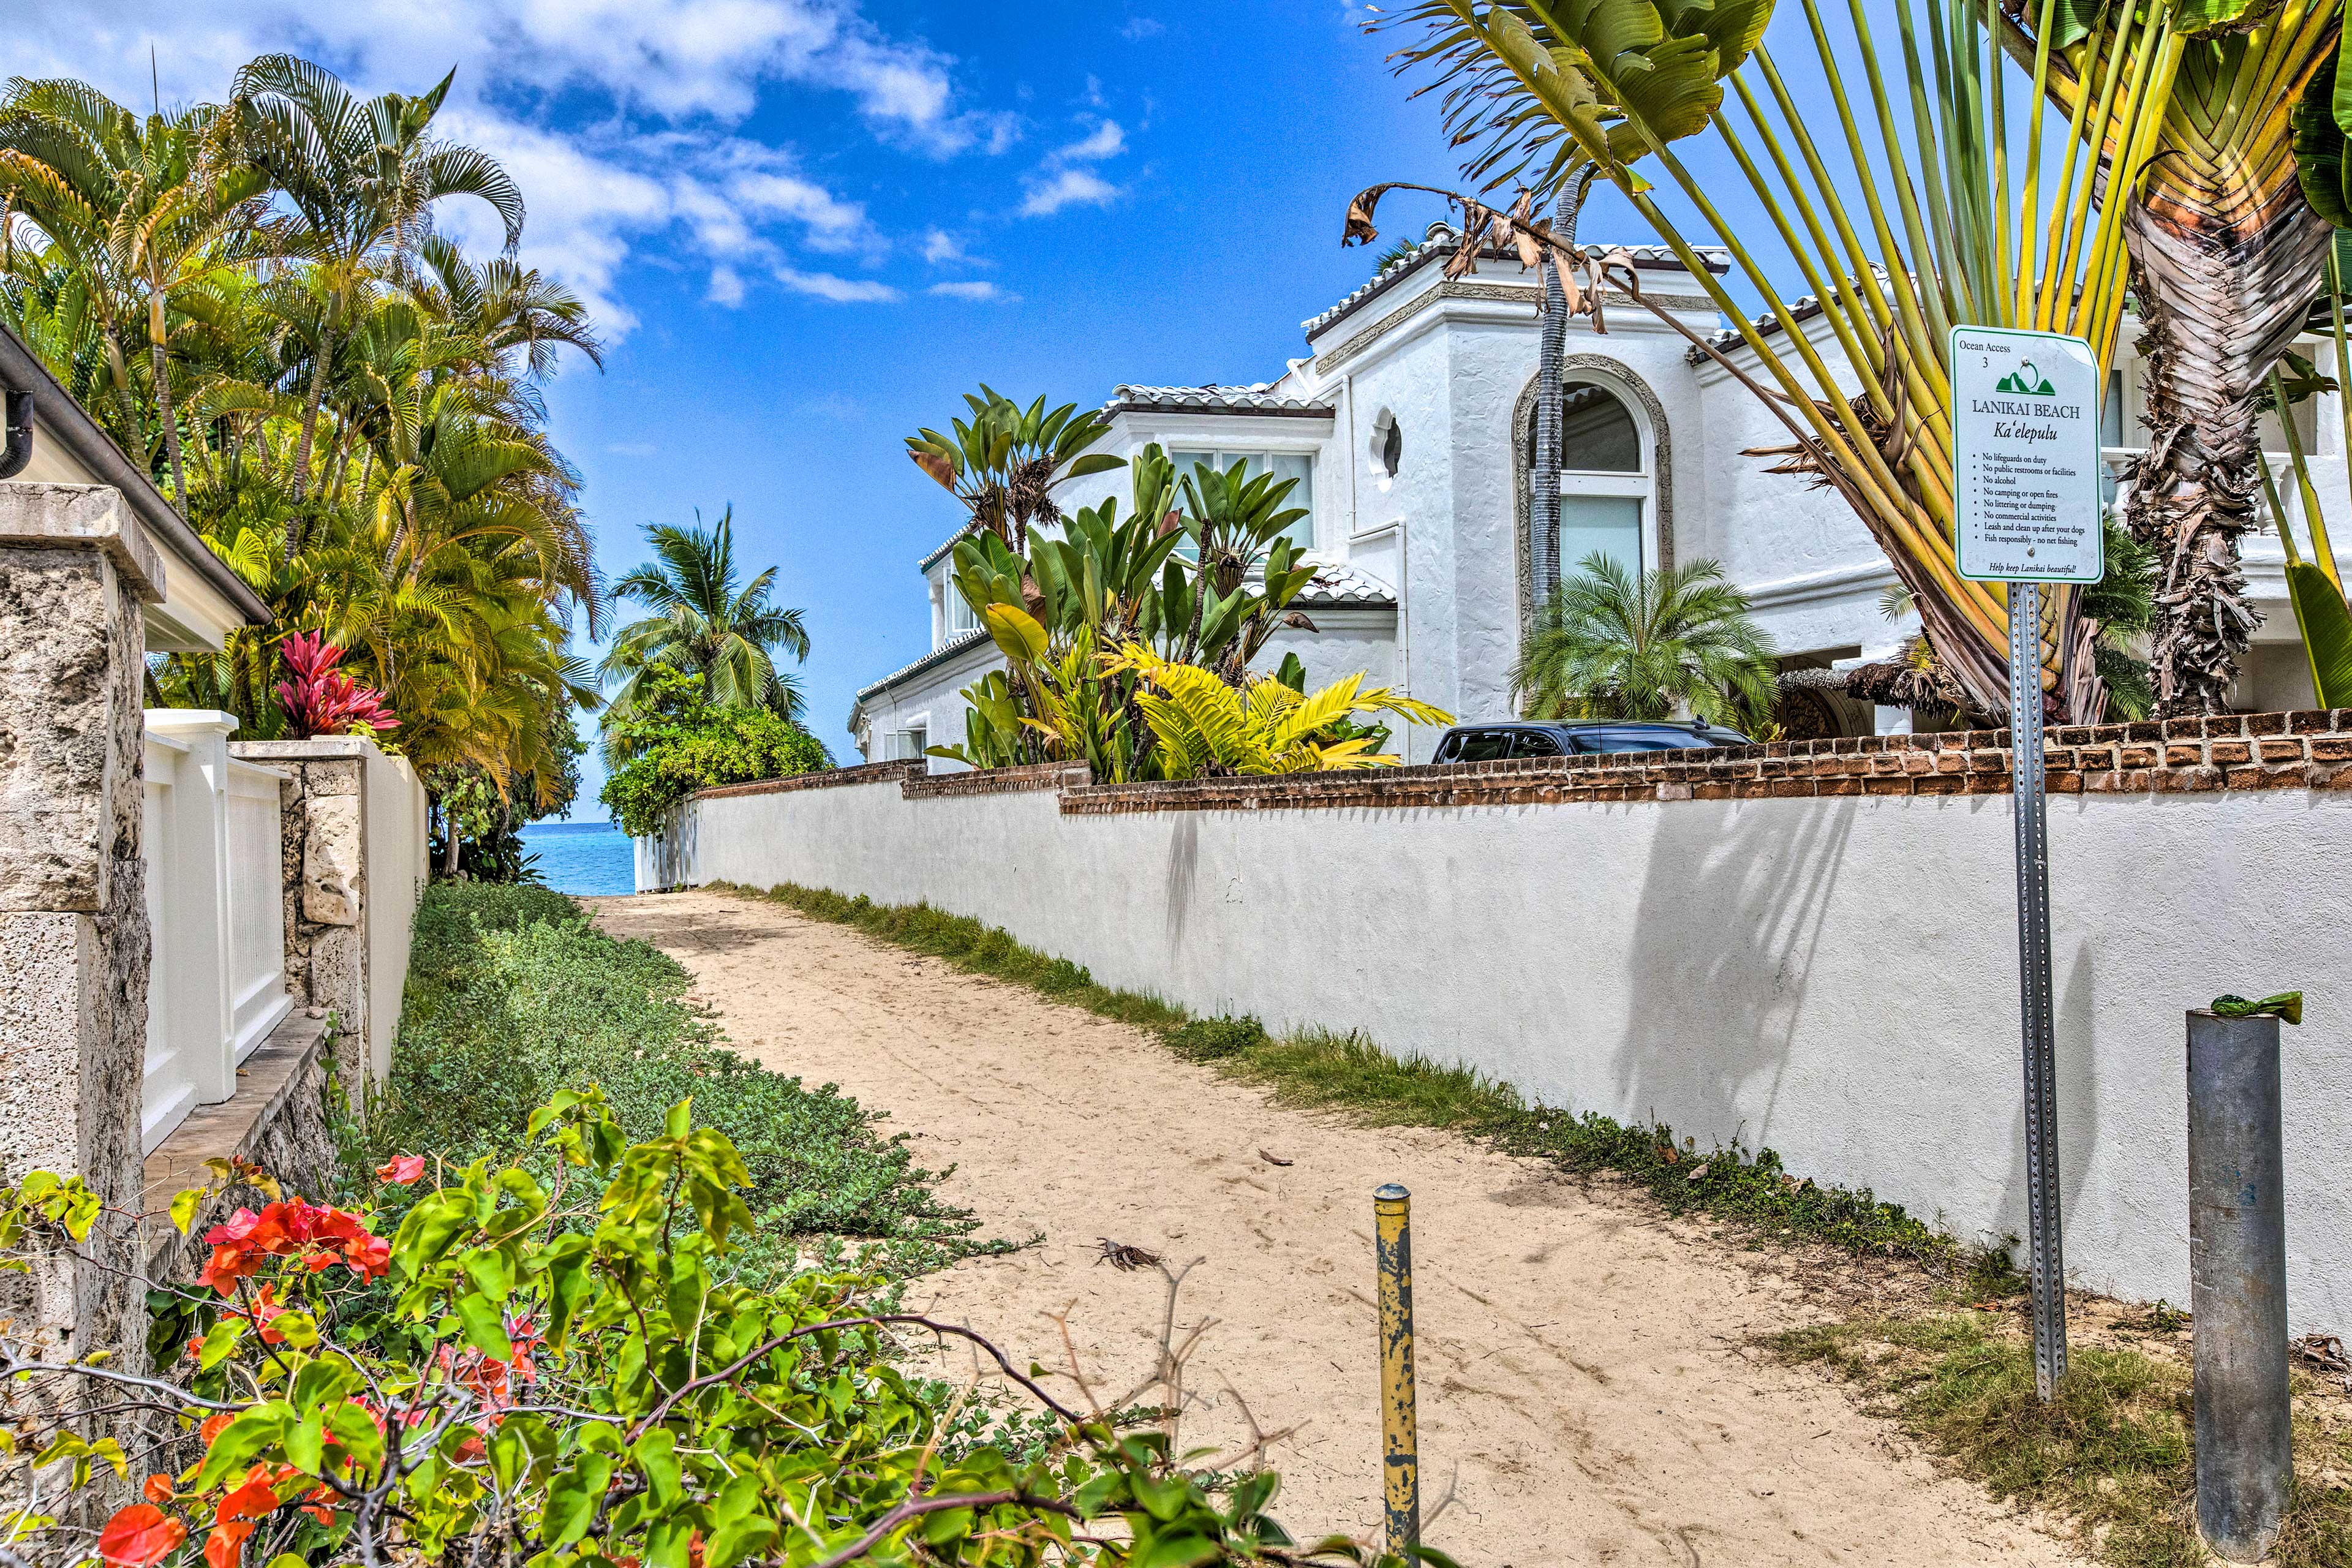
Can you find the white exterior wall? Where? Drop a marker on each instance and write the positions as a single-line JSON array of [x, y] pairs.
[[398, 847], [1766, 970]]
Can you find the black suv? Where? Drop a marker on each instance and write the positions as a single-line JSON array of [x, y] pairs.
[[1536, 738]]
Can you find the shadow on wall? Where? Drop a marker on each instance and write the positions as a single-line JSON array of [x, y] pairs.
[[1724, 939], [1739, 916]]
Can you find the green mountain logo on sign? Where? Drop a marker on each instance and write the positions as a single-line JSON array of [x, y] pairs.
[[2026, 381]]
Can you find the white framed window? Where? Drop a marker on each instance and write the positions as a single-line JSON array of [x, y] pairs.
[[1299, 466], [961, 618], [904, 746], [1607, 494]]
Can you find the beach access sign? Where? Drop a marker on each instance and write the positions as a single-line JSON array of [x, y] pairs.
[[2025, 455]]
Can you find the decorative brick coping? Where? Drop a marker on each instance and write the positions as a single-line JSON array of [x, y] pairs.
[[1000, 780], [2260, 750], [831, 778], [910, 776], [2238, 751]]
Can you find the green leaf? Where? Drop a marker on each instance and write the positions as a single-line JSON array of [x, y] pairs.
[[478, 1315], [1016, 632], [2326, 626], [306, 1443], [219, 1340], [239, 1441], [572, 1499], [656, 1454]]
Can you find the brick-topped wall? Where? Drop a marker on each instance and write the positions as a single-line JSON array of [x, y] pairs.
[[829, 778], [1797, 945], [999, 781], [2239, 751]]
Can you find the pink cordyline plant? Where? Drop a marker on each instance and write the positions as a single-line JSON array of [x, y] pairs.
[[320, 699]]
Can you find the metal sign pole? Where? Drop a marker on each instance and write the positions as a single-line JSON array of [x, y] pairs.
[[2029, 795]]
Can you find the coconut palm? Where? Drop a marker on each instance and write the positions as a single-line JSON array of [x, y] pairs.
[[361, 179], [706, 620], [1606, 647], [1946, 230]]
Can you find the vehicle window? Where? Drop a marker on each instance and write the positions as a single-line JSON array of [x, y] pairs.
[[1535, 743], [1661, 738], [1483, 746]]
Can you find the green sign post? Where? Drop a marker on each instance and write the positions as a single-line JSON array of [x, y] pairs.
[[2025, 470]]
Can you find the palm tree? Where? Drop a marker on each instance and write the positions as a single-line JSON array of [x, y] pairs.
[[361, 178], [142, 209], [1959, 221], [705, 621], [1604, 646]]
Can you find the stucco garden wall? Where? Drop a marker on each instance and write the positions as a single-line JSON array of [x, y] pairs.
[[1825, 965]]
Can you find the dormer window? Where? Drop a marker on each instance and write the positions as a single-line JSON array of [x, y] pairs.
[[961, 618]]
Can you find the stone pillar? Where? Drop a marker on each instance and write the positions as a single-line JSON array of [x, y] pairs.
[[74, 569], [327, 950]]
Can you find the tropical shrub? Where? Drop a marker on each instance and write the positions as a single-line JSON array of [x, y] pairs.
[[678, 742], [1199, 574], [513, 993], [1605, 647], [549, 1361], [320, 699], [1205, 728]]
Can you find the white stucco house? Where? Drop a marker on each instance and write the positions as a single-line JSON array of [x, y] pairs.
[[1409, 422]]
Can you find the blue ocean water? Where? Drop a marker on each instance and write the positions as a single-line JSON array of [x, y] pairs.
[[585, 858]]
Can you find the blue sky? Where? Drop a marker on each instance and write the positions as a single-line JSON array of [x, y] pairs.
[[808, 226]]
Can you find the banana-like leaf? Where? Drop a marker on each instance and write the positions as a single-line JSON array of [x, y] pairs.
[[2326, 624], [1016, 632], [2318, 144]]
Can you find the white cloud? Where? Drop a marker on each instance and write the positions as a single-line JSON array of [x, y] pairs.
[[940, 248], [726, 287], [1139, 28], [979, 290], [1106, 141], [1060, 182], [668, 79], [840, 291]]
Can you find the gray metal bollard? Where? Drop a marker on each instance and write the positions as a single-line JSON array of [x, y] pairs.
[[2237, 1262]]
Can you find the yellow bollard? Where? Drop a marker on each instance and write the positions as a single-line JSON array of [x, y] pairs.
[[1399, 1435]]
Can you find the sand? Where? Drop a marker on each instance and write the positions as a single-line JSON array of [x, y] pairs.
[[1588, 1390]]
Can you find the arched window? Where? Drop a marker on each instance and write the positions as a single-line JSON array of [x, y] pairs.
[[1605, 493]]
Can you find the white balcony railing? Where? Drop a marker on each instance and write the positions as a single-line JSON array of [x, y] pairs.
[[216, 915]]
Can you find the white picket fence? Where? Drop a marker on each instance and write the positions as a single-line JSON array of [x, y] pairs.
[[216, 913]]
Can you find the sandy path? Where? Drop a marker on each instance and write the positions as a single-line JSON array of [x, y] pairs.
[[1582, 1377]]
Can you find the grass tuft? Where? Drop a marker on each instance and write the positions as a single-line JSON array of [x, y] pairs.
[[2113, 1452]]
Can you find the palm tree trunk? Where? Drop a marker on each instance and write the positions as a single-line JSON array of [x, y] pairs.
[[1543, 515], [118, 366], [310, 406], [2220, 309], [156, 343]]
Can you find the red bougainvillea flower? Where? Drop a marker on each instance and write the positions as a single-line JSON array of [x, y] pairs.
[[140, 1534], [402, 1169], [320, 1237], [158, 1488], [320, 699], [215, 1425]]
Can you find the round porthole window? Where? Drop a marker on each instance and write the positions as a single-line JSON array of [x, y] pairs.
[[1388, 446]]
